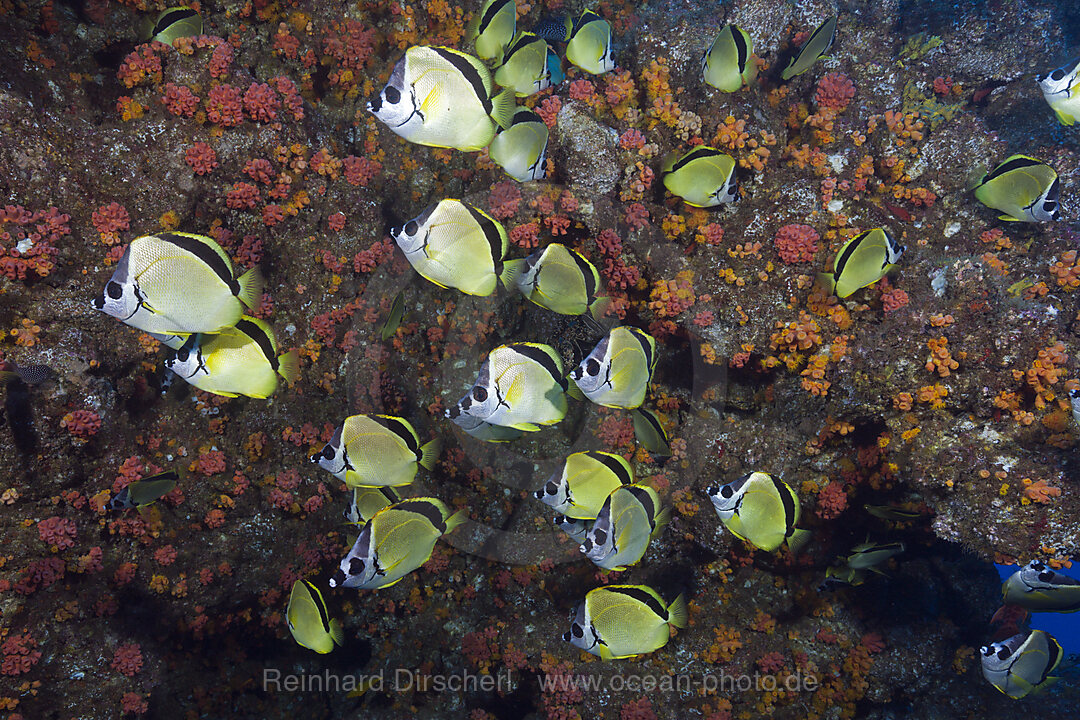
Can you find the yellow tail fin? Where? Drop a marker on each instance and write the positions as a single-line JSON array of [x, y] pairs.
[[503, 107], [454, 520], [289, 366], [677, 615], [430, 453], [251, 288]]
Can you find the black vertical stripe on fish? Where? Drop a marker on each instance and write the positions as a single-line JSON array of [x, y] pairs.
[[490, 14], [470, 73], [740, 47], [205, 253], [170, 17], [820, 29], [524, 116], [646, 347], [316, 598], [702, 151], [426, 508], [1014, 164], [613, 465], [491, 233], [261, 339], [399, 428], [584, 19], [526, 39], [654, 423], [643, 597], [842, 259], [646, 501], [587, 272], [1054, 657], [540, 357], [390, 494], [788, 502]]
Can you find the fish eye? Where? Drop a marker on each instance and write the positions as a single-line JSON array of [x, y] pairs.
[[114, 290], [392, 95], [480, 394], [182, 354], [1058, 74], [578, 631], [1004, 653], [601, 537], [551, 488], [328, 452], [1046, 576], [726, 491], [356, 566], [411, 227], [592, 367]]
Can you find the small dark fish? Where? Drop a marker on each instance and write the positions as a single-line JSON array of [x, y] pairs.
[[19, 413], [393, 321], [143, 492], [889, 512]]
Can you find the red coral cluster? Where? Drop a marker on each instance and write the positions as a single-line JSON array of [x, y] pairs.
[[894, 299], [526, 236], [40, 574], [796, 243], [290, 96], [637, 216], [23, 249], [201, 158], [109, 220], [127, 660], [81, 423], [360, 170], [261, 103], [336, 222], [549, 110], [632, 139], [832, 500], [615, 271], [140, 64], [224, 105], [504, 199], [19, 654], [220, 59], [351, 44], [134, 703], [638, 710], [179, 100], [209, 462], [835, 90], [242, 196], [770, 663], [165, 555], [57, 532], [368, 260]]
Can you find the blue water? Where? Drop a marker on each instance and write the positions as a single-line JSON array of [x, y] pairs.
[[1065, 627]]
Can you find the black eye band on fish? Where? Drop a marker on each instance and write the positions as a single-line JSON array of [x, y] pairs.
[[416, 109]]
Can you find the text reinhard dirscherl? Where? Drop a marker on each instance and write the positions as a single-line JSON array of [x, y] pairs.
[[411, 680]]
